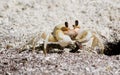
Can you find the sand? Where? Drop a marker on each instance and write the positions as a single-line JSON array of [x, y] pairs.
[[20, 20]]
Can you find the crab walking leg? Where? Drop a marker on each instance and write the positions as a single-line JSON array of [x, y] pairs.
[[98, 42], [45, 43], [35, 40], [32, 42]]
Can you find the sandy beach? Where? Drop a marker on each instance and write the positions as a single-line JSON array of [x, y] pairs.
[[21, 20]]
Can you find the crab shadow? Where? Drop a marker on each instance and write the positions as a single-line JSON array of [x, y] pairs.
[[56, 48], [111, 48]]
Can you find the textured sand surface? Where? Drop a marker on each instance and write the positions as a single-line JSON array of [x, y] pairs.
[[22, 19]]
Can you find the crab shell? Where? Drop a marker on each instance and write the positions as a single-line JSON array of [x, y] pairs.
[[60, 27], [50, 39]]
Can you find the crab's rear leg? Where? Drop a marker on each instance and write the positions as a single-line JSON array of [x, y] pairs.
[[98, 42]]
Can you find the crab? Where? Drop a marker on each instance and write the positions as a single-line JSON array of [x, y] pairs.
[[63, 35], [81, 37]]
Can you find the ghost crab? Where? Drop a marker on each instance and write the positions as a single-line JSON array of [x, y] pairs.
[[64, 36]]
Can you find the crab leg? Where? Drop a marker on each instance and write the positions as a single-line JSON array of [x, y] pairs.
[[45, 44], [98, 42]]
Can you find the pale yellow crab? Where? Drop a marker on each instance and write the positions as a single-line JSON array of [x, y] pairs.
[[64, 36]]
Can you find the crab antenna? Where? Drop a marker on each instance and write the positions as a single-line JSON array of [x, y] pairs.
[[76, 22], [66, 24]]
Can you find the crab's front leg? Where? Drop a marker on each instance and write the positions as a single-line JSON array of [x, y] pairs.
[[45, 44], [48, 39]]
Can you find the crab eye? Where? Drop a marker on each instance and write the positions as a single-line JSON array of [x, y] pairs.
[[66, 24], [76, 22]]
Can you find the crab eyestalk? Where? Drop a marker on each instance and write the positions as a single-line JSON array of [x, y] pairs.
[[76, 27], [76, 22], [66, 24], [65, 28]]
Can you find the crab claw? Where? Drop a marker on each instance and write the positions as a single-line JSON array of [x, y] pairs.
[[63, 39]]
